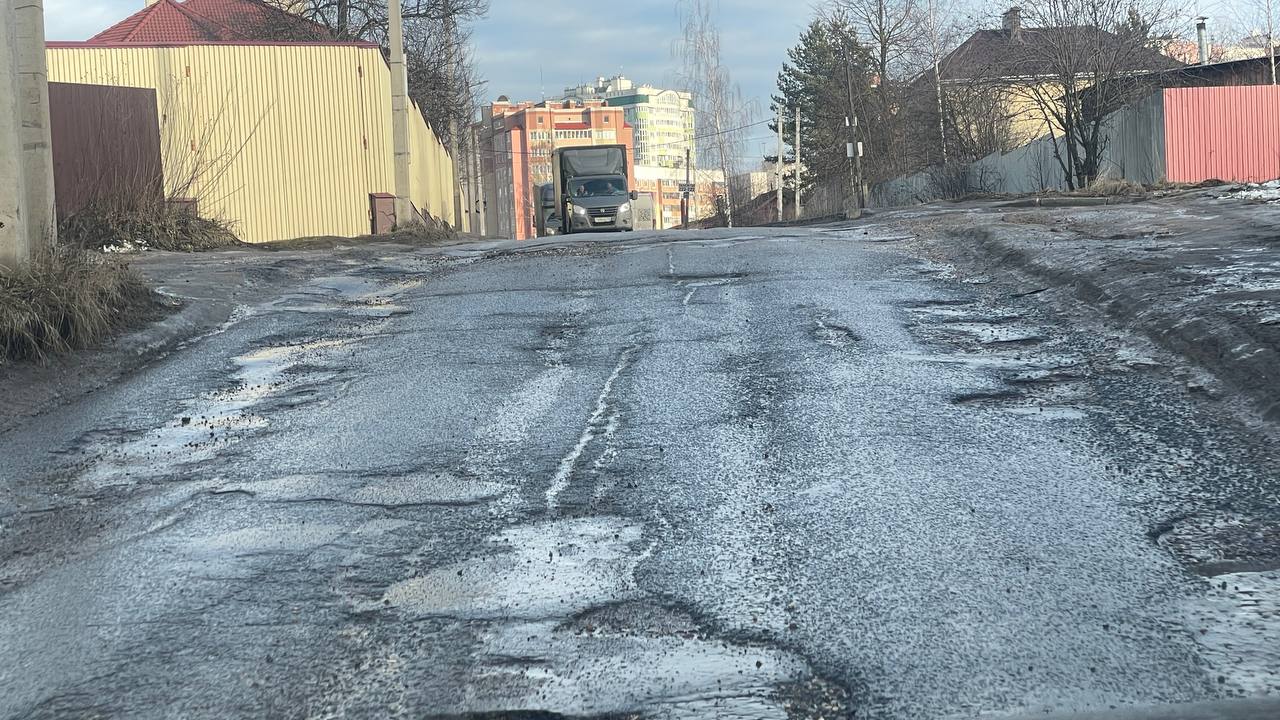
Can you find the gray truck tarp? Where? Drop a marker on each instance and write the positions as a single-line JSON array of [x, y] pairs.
[[594, 161]]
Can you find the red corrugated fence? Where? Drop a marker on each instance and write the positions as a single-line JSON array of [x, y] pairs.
[[1222, 133]]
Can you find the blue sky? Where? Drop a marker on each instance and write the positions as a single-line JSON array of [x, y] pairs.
[[524, 45]]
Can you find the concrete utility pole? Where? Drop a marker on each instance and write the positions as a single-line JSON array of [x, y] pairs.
[[778, 165], [455, 142], [27, 216], [798, 204], [15, 249], [405, 214], [482, 205], [684, 196]]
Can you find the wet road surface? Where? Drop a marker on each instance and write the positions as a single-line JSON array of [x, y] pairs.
[[751, 474]]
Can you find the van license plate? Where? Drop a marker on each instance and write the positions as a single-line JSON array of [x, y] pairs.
[[602, 220]]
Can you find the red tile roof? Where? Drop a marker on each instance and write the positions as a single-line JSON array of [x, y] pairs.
[[195, 21]]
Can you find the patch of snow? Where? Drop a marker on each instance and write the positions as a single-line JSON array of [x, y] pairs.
[[1268, 192]]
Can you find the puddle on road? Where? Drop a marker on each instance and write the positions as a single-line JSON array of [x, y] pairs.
[[348, 295], [288, 374], [208, 424]]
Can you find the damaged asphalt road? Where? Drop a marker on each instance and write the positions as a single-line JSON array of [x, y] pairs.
[[773, 473]]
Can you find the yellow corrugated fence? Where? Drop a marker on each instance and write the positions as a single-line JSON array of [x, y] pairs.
[[284, 140]]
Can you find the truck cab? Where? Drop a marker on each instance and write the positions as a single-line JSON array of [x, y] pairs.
[[599, 202]]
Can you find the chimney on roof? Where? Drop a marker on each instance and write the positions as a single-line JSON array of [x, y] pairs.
[[1011, 21], [1202, 39]]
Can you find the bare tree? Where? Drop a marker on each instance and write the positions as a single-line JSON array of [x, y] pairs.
[[1256, 22], [1076, 61], [895, 34], [721, 113], [442, 71]]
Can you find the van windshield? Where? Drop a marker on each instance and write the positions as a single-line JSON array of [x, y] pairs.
[[599, 187]]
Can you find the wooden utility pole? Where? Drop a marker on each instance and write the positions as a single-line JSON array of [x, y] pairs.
[[778, 165], [798, 203], [405, 214]]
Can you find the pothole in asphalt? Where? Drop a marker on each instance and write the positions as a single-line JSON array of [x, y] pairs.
[[994, 333], [716, 278], [1215, 544], [994, 361], [1062, 400], [995, 397], [634, 619], [385, 492], [940, 304], [208, 424], [1237, 625], [537, 571], [833, 334], [562, 628]]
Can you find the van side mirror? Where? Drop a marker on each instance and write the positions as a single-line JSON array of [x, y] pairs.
[[635, 195]]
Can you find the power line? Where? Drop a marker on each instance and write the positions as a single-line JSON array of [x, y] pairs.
[[513, 153]]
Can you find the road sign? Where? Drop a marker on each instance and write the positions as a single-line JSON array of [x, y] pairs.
[[686, 187]]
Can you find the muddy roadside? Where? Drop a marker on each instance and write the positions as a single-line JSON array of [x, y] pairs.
[[1197, 274], [203, 293]]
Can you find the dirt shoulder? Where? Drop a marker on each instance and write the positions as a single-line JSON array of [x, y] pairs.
[[1197, 274]]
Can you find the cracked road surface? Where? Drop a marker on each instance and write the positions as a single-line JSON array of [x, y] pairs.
[[783, 473]]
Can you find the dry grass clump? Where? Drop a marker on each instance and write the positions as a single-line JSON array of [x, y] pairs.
[[1111, 187], [148, 226], [68, 298]]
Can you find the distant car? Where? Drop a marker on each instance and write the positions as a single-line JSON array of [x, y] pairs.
[[545, 219]]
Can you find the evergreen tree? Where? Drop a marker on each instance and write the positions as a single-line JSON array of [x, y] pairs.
[[825, 78]]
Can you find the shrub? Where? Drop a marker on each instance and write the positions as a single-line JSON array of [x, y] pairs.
[[146, 226], [68, 298]]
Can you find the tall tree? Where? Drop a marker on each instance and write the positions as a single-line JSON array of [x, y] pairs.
[[826, 79], [721, 113]]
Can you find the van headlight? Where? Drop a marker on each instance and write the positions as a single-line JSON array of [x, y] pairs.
[[624, 207], [579, 210]]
